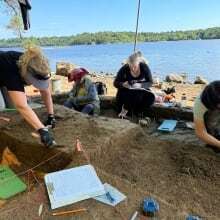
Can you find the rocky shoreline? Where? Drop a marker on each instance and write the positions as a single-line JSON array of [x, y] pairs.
[[179, 81], [191, 90]]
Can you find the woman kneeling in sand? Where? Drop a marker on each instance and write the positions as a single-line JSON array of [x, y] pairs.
[[209, 100], [83, 96], [19, 69], [133, 81]]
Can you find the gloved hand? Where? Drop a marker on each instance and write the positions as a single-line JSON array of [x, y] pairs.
[[46, 138], [51, 121]]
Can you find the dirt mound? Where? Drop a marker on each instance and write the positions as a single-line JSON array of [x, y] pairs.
[[182, 175], [199, 163]]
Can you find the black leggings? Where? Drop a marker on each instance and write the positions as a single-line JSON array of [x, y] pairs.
[[134, 100]]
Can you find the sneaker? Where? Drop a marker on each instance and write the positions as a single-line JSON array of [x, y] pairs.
[[123, 113]]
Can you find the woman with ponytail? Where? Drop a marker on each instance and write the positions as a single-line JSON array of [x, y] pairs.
[[18, 69]]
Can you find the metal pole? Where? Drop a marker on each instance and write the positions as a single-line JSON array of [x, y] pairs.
[[136, 33]]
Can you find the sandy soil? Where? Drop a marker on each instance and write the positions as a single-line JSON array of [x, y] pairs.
[[175, 169]]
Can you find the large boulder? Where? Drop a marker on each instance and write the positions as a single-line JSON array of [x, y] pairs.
[[63, 68], [174, 78], [201, 80]]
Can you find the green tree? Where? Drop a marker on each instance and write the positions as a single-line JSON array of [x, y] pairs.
[[16, 25], [115, 37]]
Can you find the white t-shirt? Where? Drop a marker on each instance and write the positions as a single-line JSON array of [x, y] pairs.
[[199, 109]]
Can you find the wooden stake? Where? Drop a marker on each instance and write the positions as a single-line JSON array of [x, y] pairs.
[[76, 211], [134, 216], [78, 146]]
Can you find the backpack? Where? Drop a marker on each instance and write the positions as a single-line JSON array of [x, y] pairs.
[[101, 88]]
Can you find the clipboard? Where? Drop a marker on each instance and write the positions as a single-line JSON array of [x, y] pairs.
[[72, 185]]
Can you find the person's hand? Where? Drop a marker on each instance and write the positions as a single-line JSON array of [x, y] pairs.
[[46, 138], [126, 85], [51, 121]]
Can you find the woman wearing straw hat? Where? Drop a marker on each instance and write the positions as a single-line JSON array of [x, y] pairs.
[[18, 69]]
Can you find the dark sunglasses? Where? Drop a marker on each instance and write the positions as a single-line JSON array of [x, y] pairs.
[[40, 77], [36, 75]]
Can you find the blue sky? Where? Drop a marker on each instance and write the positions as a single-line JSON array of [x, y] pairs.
[[69, 17]]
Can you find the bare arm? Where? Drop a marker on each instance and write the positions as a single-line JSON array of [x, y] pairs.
[[20, 101], [202, 133], [47, 98]]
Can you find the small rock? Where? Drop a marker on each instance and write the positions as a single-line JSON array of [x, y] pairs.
[[144, 122], [174, 78], [201, 80]]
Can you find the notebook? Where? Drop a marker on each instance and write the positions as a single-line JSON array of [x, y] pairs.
[[10, 184], [168, 125], [72, 185]]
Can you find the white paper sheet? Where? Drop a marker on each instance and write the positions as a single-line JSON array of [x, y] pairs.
[[115, 194], [69, 186]]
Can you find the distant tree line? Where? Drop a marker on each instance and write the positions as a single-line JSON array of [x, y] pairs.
[[115, 37]]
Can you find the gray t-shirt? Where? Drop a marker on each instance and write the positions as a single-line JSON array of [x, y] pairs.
[[199, 109]]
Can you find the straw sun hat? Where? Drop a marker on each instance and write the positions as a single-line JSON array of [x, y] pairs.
[[34, 68]]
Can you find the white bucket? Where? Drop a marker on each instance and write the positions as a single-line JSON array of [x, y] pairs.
[[56, 85]]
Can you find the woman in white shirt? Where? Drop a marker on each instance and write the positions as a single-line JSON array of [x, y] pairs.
[[208, 100]]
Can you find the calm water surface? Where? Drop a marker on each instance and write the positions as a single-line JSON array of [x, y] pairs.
[[200, 57]]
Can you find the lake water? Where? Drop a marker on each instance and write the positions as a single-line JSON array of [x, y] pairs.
[[200, 57]]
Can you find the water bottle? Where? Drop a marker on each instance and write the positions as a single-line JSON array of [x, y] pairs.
[[183, 100]]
